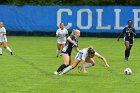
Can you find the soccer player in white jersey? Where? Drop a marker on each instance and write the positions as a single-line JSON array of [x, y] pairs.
[[61, 35], [3, 39], [85, 55]]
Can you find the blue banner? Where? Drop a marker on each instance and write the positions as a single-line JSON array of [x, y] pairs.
[[94, 19]]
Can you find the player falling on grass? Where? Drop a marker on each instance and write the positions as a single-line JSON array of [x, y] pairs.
[[3, 39], [72, 42], [85, 55], [129, 33], [61, 35]]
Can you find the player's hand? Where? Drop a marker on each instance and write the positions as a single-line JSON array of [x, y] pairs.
[[131, 31], [107, 65], [85, 72], [60, 35], [75, 45]]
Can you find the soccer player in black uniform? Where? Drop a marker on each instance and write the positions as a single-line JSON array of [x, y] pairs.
[[129, 33], [72, 42]]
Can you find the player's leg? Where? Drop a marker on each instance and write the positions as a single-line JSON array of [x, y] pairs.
[[58, 49], [126, 50], [71, 67], [130, 46], [66, 63], [69, 60], [6, 47], [90, 63], [62, 46], [0, 49]]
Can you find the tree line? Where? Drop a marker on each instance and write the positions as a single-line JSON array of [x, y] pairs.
[[72, 2]]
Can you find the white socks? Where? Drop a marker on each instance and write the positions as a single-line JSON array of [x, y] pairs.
[[66, 70], [57, 52], [87, 65], [8, 49], [0, 51]]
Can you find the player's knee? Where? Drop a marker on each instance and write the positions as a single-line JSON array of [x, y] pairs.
[[59, 48], [67, 64], [93, 64], [5, 47], [127, 48], [73, 67]]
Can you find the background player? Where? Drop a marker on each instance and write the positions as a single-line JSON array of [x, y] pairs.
[[72, 41], [129, 33], [61, 35], [3, 39]]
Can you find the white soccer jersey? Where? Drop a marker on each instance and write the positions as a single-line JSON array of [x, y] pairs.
[[63, 32], [83, 54], [2, 37]]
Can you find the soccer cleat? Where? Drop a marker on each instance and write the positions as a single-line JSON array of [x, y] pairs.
[[79, 69], [126, 59], [0, 54], [11, 53], [56, 73], [56, 56]]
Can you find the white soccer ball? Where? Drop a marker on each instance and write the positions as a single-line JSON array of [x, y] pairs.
[[128, 71]]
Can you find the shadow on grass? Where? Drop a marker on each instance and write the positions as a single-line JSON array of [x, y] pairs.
[[31, 64]]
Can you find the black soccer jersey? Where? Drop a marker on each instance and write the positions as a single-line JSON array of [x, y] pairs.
[[127, 33], [68, 46]]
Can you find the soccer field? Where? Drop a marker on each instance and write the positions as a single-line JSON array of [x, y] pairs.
[[30, 69]]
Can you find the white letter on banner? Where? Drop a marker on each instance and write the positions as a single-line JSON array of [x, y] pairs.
[[59, 17], [100, 20], [117, 23], [136, 18], [79, 19]]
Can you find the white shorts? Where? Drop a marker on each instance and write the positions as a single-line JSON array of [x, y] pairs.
[[3, 39], [61, 41], [79, 56]]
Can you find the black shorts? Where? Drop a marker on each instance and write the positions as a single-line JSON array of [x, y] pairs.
[[128, 39], [66, 53]]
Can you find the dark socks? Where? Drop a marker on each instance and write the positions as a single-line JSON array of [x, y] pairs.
[[127, 53], [61, 68]]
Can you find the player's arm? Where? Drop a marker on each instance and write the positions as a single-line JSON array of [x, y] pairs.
[[83, 62], [121, 34], [57, 34], [67, 35], [119, 37], [83, 66], [104, 60], [4, 31], [76, 49], [133, 31], [70, 40]]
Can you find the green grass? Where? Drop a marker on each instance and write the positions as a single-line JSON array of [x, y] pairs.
[[30, 69]]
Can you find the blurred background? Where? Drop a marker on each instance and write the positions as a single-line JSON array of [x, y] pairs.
[[94, 18]]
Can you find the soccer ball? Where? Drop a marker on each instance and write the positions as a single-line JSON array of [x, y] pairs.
[[128, 71]]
